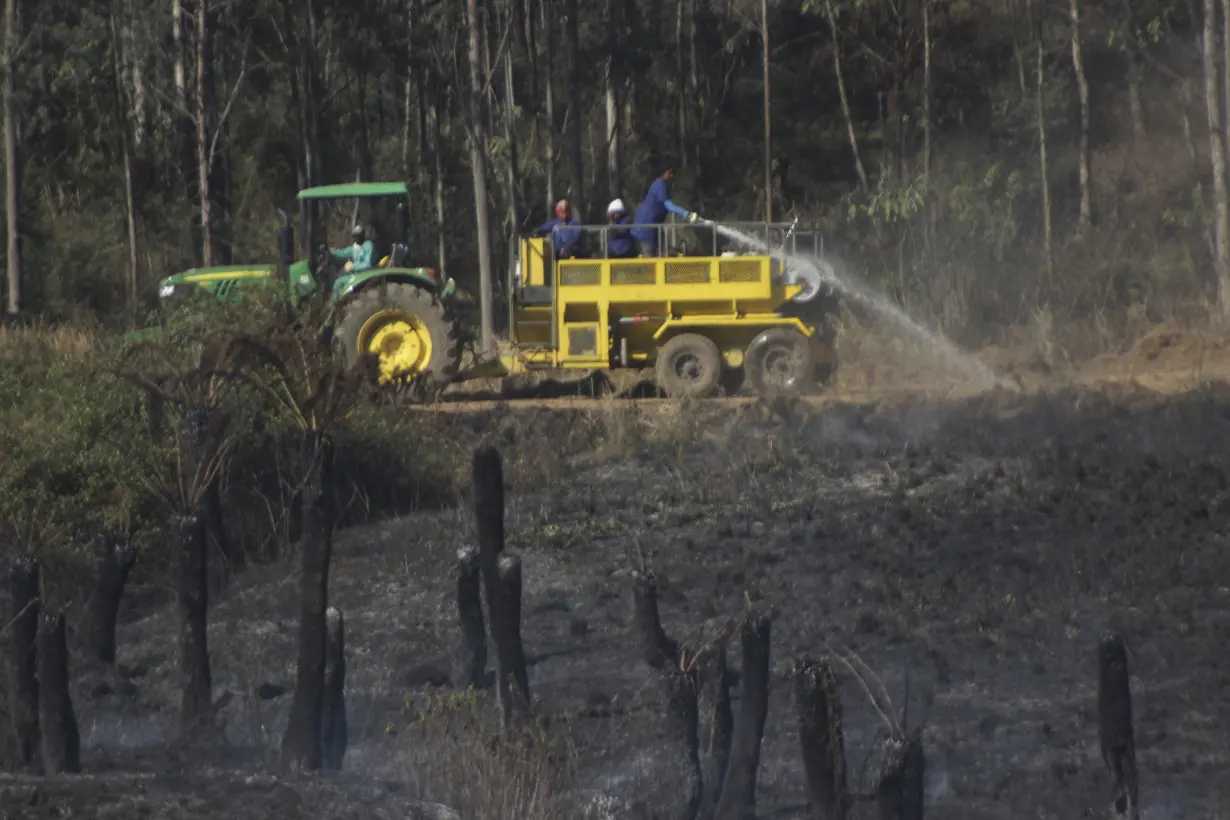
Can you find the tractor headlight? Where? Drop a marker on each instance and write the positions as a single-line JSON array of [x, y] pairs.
[[166, 291]]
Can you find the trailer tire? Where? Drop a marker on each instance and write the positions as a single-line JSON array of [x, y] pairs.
[[406, 327], [780, 362], [689, 366]]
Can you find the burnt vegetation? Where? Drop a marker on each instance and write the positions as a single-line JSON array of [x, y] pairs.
[[183, 523]]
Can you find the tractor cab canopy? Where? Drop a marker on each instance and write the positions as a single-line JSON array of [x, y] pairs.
[[392, 231]]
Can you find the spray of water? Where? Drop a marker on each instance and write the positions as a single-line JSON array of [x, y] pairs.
[[817, 271]]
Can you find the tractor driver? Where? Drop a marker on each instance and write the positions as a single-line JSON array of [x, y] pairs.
[[653, 210], [568, 244], [358, 256]]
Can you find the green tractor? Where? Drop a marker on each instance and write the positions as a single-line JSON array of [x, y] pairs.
[[402, 314]]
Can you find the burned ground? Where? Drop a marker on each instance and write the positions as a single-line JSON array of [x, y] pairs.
[[970, 552]]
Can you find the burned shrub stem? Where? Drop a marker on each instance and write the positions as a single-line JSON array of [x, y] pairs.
[[113, 562], [683, 765], [1115, 731], [196, 684], [657, 650], [738, 799], [471, 660], [334, 735], [301, 745], [901, 790], [22, 582], [60, 746], [506, 628], [821, 737], [715, 689]]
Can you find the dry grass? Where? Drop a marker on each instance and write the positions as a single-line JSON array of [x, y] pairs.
[[47, 338], [455, 754]]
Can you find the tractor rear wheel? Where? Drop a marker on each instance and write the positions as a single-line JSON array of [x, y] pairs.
[[689, 365], [780, 361], [406, 328]]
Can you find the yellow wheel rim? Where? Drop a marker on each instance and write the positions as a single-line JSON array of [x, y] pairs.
[[400, 340]]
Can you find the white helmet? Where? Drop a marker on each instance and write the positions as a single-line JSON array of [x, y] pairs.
[[616, 207]]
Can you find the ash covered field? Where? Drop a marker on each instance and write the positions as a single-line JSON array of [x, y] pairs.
[[970, 553]]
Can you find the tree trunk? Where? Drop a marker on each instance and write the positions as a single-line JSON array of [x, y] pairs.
[[61, 739], [822, 740], [1048, 242], [681, 96], [24, 597], [611, 100], [766, 60], [1115, 732], [548, 28], [1213, 102], [576, 117], [12, 158], [204, 115], [471, 660], [196, 684], [831, 13], [334, 732], [739, 791], [301, 745], [437, 160], [478, 168], [1082, 86], [1185, 99], [306, 83], [926, 91], [112, 564], [510, 136]]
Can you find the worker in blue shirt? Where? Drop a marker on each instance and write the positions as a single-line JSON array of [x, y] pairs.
[[653, 210], [619, 242], [568, 244], [359, 255]]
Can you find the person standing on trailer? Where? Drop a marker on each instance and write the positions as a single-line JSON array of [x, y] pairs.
[[653, 210]]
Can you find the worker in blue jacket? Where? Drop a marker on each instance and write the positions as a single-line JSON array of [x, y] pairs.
[[653, 210], [568, 244], [619, 242]]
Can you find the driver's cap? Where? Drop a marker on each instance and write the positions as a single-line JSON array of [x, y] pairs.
[[356, 230]]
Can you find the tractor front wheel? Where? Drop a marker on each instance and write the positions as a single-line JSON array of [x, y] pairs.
[[780, 362], [406, 329], [689, 365]]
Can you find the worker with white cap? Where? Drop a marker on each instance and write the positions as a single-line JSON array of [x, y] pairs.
[[358, 257], [619, 243]]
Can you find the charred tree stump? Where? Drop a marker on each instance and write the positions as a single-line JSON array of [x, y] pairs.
[[821, 736], [682, 780], [60, 745], [488, 480], [1115, 732], [738, 800], [715, 690], [901, 790], [196, 682], [334, 737], [471, 659], [506, 628], [657, 650], [113, 562], [301, 745], [22, 580]]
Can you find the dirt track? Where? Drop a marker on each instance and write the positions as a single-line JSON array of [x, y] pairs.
[[980, 543]]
